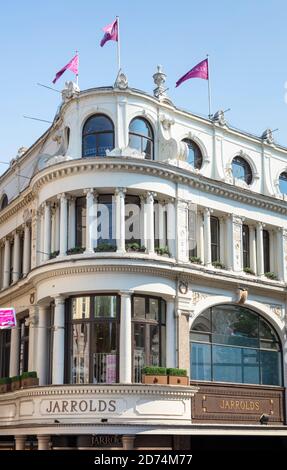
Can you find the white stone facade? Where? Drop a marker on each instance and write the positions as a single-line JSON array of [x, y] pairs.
[[42, 185]]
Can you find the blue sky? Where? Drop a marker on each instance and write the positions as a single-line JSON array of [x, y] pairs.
[[246, 41]]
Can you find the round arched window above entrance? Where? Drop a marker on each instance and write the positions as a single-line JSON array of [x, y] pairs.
[[231, 343]]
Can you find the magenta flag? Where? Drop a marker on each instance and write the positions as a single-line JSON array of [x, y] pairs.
[[73, 65], [199, 71], [7, 318], [111, 33]]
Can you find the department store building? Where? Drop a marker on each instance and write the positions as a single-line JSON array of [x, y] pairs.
[[135, 233]]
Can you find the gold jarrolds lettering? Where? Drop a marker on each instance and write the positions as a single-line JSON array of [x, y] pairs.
[[81, 406], [239, 405]]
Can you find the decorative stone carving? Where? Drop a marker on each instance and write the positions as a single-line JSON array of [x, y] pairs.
[[183, 287], [219, 118], [121, 81], [27, 215], [242, 295], [198, 296], [159, 79], [70, 91], [267, 136], [276, 309], [166, 122], [125, 152], [57, 159]]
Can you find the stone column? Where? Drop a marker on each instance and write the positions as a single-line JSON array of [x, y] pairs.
[[63, 224], [125, 339], [42, 353], [26, 250], [183, 340], [170, 334], [120, 219], [182, 231], [89, 220], [143, 221], [43, 442], [95, 221], [6, 270], [234, 243], [59, 341], [200, 247], [171, 228], [260, 256], [53, 228], [20, 442], [47, 231], [222, 243], [161, 225], [14, 352], [150, 221], [16, 257], [57, 228], [252, 243], [207, 237], [32, 351], [72, 223], [128, 442], [273, 267], [281, 249]]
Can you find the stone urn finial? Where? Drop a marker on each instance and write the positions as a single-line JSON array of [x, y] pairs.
[[159, 79]]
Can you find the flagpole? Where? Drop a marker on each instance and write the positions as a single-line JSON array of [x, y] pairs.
[[118, 44], [77, 75], [209, 92]]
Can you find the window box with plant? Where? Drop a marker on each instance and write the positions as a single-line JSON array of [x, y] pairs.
[[29, 379], [248, 270], [15, 383], [195, 260], [154, 375], [54, 254], [5, 384], [162, 251], [271, 275], [135, 247], [77, 250], [177, 376], [218, 265], [105, 247]]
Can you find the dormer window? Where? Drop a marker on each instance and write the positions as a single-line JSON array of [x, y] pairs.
[[3, 202], [98, 136], [194, 157], [141, 137], [241, 170]]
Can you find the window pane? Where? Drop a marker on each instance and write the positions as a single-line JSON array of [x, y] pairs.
[[235, 325], [135, 142], [283, 183], [250, 359], [152, 313], [139, 350], [139, 307], [200, 361], [98, 124], [227, 365], [105, 306], [104, 352], [270, 368], [104, 142], [147, 148], [80, 308], [203, 322], [140, 126], [80, 221], [89, 146], [266, 331], [80, 353], [154, 345]]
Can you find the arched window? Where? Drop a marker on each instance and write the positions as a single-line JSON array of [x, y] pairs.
[[98, 136], [283, 182], [241, 170], [141, 137], [230, 343], [4, 202], [194, 157]]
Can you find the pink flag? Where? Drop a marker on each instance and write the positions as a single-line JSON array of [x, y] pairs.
[[73, 65], [111, 33], [199, 71]]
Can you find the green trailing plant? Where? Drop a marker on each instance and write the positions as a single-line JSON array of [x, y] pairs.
[[135, 247], [248, 270], [152, 370], [104, 247], [271, 275], [195, 259], [28, 375], [54, 254], [218, 264], [177, 372], [5, 380], [162, 251], [76, 250]]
